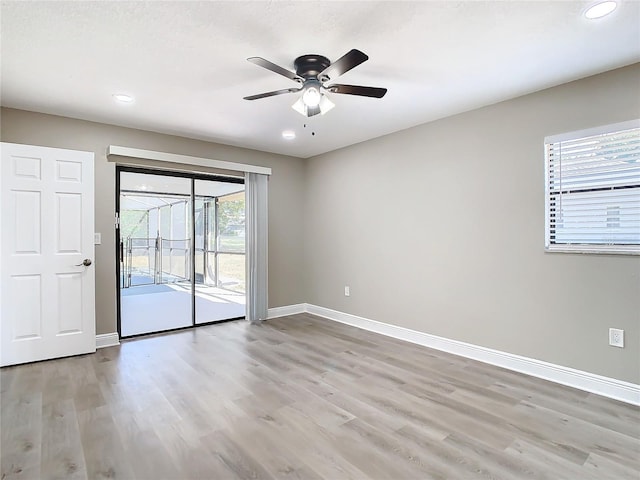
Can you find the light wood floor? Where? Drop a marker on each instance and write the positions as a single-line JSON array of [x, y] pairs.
[[302, 398]]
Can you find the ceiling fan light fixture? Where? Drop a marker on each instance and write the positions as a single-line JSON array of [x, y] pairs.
[[312, 96], [309, 110], [300, 107], [325, 105]]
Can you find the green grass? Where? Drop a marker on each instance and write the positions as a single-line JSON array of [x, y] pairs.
[[233, 266], [232, 243]]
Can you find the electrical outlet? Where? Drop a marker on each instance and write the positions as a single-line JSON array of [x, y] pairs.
[[616, 337], [347, 292]]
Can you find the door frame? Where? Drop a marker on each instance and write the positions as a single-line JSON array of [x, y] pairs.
[[193, 176]]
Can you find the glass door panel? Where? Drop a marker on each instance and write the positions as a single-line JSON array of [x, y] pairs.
[[155, 251], [219, 227]]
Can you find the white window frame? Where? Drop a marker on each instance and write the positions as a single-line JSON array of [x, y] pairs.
[[633, 249]]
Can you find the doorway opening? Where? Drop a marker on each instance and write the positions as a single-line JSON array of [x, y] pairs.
[[181, 254]]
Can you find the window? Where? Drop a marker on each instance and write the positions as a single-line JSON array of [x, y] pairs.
[[592, 195]]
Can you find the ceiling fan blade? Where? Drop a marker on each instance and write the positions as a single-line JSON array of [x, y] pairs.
[[349, 60], [261, 62], [271, 94], [375, 92]]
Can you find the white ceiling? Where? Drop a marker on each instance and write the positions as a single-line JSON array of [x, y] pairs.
[[185, 62]]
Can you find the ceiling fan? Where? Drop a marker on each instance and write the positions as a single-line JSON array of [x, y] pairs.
[[312, 73]]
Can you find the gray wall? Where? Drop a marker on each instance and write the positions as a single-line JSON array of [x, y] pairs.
[[286, 187], [440, 228]]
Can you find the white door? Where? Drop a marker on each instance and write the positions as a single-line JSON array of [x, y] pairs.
[[46, 219]]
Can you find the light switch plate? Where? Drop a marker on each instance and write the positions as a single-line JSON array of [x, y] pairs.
[[97, 239]]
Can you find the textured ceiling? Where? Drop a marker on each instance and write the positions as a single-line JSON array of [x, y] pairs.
[[185, 62]]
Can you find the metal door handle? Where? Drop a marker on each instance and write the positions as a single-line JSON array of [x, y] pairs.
[[85, 263]]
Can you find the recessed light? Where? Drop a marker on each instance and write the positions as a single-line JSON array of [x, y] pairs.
[[123, 98], [289, 134], [600, 9]]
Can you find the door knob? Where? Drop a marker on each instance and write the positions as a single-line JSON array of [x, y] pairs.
[[85, 263]]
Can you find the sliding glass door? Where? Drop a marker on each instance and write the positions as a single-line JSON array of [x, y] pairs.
[[181, 250]]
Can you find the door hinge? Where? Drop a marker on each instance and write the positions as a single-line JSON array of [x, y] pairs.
[[117, 220]]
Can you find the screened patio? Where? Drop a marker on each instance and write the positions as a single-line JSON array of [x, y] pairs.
[[180, 265]]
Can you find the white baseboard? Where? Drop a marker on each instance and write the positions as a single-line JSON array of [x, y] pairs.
[[590, 382], [286, 310], [107, 340]]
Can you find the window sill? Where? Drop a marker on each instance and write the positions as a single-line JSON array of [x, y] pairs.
[[593, 249]]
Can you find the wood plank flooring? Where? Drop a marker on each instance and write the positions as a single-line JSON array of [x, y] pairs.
[[302, 398]]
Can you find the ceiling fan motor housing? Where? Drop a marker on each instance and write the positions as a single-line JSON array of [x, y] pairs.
[[310, 66]]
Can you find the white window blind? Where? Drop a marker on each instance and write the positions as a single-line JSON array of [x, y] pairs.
[[593, 190]]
